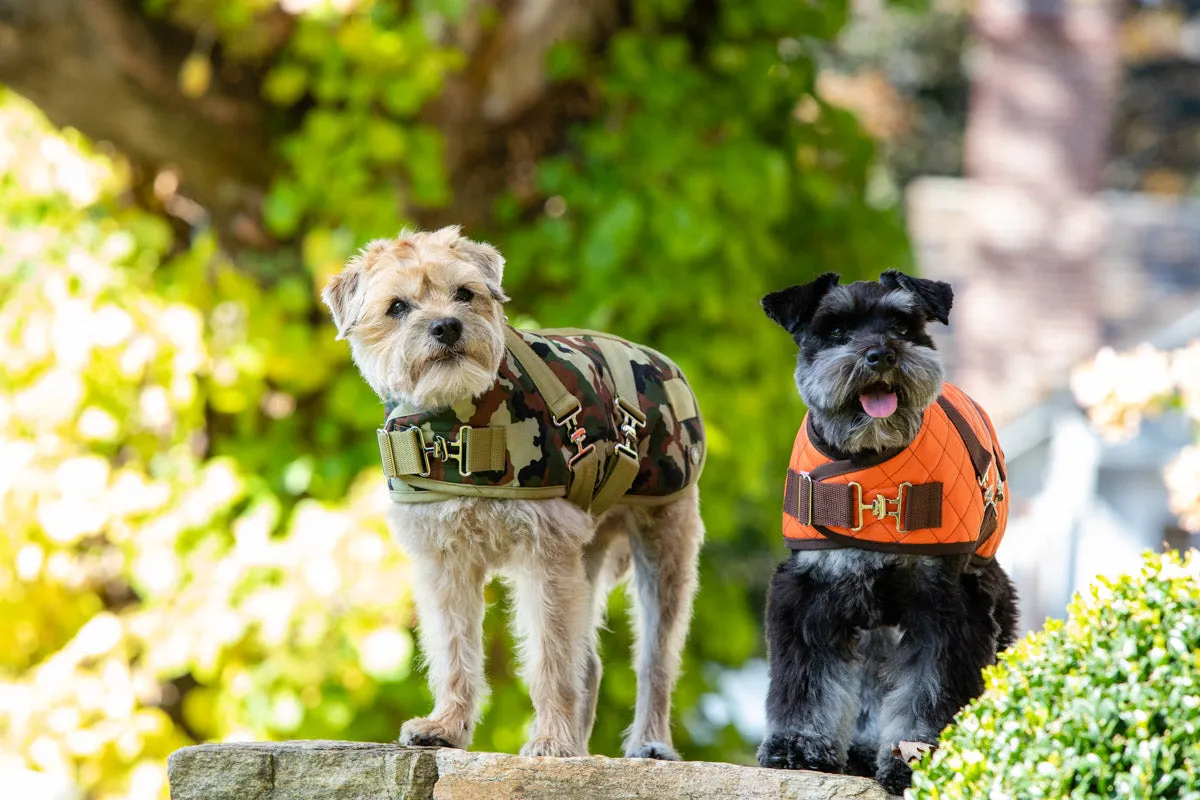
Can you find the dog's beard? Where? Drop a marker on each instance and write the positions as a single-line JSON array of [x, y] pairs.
[[833, 383], [422, 373]]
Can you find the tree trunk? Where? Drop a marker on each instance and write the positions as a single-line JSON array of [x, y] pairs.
[[105, 68]]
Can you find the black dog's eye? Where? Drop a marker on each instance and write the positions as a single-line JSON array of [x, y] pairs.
[[398, 308], [464, 295], [837, 334], [901, 330]]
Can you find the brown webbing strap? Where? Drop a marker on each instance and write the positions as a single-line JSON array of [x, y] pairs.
[[991, 521], [835, 504], [923, 506], [981, 457], [992, 430]]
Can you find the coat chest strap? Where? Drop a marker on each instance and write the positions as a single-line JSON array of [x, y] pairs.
[[847, 505]]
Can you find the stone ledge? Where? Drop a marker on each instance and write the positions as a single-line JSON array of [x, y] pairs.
[[322, 770]]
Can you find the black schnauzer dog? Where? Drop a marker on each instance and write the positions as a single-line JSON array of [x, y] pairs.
[[873, 647]]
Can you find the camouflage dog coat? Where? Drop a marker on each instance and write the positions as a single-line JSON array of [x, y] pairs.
[[573, 413]]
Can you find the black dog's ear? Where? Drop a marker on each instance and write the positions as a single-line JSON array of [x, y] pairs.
[[935, 297], [792, 308]]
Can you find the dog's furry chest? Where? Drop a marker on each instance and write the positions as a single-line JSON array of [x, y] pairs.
[[490, 532]]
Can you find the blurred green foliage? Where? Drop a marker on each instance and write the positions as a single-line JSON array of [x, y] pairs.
[[193, 507], [1103, 704]]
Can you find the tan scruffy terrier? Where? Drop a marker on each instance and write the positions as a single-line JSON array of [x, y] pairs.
[[549, 458]]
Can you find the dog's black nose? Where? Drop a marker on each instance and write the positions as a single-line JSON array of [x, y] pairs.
[[446, 330], [881, 357]]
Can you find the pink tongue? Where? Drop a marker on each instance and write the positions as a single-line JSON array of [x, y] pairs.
[[879, 404]]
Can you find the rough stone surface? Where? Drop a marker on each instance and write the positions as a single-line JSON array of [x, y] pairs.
[[309, 770], [305, 770]]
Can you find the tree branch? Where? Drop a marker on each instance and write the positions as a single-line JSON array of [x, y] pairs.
[[104, 68]]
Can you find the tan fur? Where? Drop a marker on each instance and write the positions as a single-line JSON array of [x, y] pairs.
[[560, 560]]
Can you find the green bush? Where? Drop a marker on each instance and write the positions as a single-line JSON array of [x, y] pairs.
[[1105, 704]]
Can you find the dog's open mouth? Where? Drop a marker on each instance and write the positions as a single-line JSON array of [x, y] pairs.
[[878, 400]]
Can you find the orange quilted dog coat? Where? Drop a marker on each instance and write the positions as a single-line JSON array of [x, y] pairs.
[[944, 494]]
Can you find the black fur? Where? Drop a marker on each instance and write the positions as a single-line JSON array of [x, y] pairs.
[[791, 308], [869, 649]]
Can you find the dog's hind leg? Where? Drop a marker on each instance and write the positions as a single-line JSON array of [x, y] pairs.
[[448, 592], [812, 642], [948, 638], [606, 562], [665, 550], [998, 591]]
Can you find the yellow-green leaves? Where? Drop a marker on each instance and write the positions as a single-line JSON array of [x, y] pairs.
[[1104, 705]]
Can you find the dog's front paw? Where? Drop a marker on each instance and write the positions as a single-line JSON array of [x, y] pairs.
[[663, 752], [545, 746], [791, 750], [894, 776], [425, 732], [860, 760]]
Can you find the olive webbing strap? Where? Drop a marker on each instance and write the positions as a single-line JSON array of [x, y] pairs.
[[403, 452], [560, 401], [625, 467], [583, 479], [485, 449], [562, 405]]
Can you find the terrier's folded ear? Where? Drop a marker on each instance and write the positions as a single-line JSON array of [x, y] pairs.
[[344, 295], [793, 308], [489, 261], [934, 297]]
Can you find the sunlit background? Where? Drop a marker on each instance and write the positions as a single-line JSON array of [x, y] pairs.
[[193, 543]]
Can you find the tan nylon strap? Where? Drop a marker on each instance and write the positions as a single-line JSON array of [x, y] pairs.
[[403, 452], [616, 484], [617, 356], [583, 480], [560, 401], [815, 503], [486, 449], [625, 467]]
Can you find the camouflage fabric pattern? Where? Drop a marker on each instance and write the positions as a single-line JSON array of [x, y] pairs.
[[671, 449]]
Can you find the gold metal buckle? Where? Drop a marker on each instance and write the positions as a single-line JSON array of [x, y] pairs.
[[441, 450], [879, 506], [461, 455]]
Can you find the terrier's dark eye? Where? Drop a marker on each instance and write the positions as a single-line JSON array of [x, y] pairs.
[[464, 295], [901, 330], [837, 334], [398, 308]]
